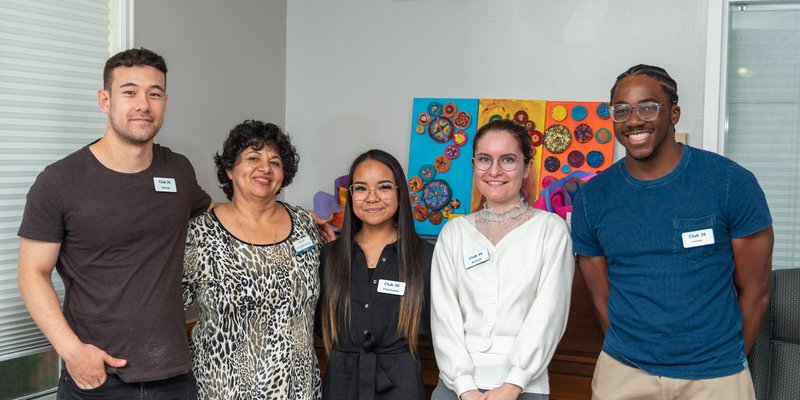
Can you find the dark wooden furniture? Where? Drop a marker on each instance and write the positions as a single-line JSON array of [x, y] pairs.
[[573, 364]]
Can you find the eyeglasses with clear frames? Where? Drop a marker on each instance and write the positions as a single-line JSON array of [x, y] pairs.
[[384, 191], [647, 111], [507, 163]]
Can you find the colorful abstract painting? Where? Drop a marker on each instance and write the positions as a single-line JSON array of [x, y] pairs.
[[439, 164], [531, 115]]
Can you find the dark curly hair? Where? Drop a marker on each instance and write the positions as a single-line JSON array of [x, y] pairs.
[[256, 135], [517, 131], [668, 85], [131, 58]]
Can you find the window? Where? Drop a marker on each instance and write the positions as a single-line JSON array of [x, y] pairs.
[[51, 60], [759, 107]]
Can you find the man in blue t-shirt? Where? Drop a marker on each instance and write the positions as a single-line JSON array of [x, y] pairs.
[[675, 246]]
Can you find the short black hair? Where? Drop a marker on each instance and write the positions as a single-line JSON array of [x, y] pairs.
[[255, 134], [668, 85], [519, 132], [130, 58]]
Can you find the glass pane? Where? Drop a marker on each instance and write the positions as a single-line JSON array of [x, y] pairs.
[[763, 113], [28, 375]]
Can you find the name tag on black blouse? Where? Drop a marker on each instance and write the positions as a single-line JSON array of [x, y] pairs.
[[391, 287]]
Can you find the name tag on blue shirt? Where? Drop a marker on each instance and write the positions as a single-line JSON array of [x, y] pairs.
[[480, 256], [699, 238], [391, 287], [165, 185]]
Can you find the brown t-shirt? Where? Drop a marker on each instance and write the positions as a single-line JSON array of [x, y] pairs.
[[122, 243]]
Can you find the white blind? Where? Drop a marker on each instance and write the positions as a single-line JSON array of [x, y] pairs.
[[763, 113], [51, 61]]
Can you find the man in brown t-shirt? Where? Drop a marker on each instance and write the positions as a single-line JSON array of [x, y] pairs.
[[112, 219]]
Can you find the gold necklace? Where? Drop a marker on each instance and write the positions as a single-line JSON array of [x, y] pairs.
[[374, 264], [244, 231]]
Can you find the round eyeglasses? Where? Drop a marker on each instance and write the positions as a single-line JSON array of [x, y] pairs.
[[384, 191], [647, 111], [483, 162]]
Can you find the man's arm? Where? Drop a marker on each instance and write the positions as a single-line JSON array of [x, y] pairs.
[[595, 275], [752, 258], [84, 362]]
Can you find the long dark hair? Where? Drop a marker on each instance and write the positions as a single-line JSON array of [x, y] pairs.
[[336, 289]]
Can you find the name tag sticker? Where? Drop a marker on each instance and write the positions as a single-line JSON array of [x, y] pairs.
[[391, 287], [699, 238], [165, 185], [480, 256], [303, 245]]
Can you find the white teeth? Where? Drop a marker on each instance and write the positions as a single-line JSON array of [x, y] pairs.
[[637, 137]]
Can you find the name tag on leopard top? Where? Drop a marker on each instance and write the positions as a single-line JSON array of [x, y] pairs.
[[699, 238], [303, 244], [391, 287], [478, 257], [165, 185]]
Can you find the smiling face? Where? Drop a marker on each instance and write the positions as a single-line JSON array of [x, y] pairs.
[[258, 173], [135, 103], [645, 142], [499, 187], [375, 210]]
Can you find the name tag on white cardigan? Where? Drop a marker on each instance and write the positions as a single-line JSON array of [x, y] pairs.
[[479, 257], [391, 287]]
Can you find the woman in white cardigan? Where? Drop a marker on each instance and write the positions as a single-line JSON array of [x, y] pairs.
[[500, 281]]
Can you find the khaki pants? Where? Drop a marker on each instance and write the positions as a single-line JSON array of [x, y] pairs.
[[614, 380]]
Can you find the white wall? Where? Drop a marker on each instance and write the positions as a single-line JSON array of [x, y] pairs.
[[353, 66], [227, 63]]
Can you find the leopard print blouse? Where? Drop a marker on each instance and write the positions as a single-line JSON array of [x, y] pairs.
[[254, 336]]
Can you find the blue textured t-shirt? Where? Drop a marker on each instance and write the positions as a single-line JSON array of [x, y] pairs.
[[672, 307]]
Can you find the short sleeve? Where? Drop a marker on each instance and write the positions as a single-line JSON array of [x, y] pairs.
[[747, 210], [584, 239], [43, 218]]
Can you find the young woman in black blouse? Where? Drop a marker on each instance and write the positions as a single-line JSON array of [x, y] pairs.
[[375, 280]]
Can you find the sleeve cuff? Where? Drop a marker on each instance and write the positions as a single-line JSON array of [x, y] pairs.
[[519, 377], [464, 383]]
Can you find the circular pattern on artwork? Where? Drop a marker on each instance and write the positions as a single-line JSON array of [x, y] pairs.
[[583, 133], [420, 129], [435, 217], [440, 129], [548, 180], [603, 111], [414, 198], [447, 212], [415, 184], [449, 109], [455, 203], [551, 164], [530, 125], [579, 113], [427, 173], [462, 120], [602, 136], [436, 194], [452, 151], [521, 117], [595, 159], [565, 169], [435, 109], [420, 213], [559, 113], [460, 138], [495, 117], [442, 164], [575, 158], [536, 138], [557, 138], [424, 118]]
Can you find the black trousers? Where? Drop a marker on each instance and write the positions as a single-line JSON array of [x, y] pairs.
[[181, 387]]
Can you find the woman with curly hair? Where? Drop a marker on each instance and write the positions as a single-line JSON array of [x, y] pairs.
[[252, 266]]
